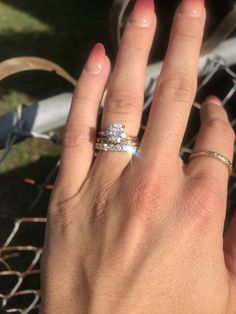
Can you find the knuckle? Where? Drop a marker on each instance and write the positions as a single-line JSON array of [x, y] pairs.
[[134, 48], [221, 127], [178, 89], [187, 35], [203, 201], [101, 206], [145, 197], [80, 97], [122, 102], [62, 215], [78, 136], [103, 199]]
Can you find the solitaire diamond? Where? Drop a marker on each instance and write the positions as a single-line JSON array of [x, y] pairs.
[[116, 133]]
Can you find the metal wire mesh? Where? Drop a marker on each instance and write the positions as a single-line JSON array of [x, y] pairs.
[[19, 262]]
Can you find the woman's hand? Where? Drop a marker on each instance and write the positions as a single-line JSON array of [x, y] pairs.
[[142, 234]]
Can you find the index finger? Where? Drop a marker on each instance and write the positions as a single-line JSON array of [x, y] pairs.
[[80, 132]]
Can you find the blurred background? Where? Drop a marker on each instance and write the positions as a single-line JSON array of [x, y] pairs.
[[63, 32]]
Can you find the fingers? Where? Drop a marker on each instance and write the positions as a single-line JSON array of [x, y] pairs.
[[80, 131], [124, 102], [230, 248], [176, 86], [216, 134]]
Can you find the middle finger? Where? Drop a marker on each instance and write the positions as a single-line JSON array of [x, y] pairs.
[[176, 87]]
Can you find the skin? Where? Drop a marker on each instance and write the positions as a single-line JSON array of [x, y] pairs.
[[129, 234]]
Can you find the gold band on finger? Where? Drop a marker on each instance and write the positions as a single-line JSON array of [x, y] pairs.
[[215, 155], [127, 138]]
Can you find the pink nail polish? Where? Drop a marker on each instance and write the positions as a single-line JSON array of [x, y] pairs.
[[192, 8], [142, 14], [96, 60]]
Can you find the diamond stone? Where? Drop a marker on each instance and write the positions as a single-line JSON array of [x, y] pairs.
[[116, 133], [125, 147]]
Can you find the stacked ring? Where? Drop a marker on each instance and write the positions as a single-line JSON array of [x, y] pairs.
[[114, 139], [215, 155]]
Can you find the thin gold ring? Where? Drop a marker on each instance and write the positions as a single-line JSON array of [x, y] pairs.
[[215, 155], [127, 138]]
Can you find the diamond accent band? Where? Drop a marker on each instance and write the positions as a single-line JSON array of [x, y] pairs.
[[215, 155], [116, 148]]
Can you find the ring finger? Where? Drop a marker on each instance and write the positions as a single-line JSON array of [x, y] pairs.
[[124, 101]]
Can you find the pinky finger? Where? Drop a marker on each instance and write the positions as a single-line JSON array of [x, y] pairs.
[[216, 134], [80, 131]]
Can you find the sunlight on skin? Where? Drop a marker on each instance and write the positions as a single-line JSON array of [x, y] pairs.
[[13, 20], [136, 155]]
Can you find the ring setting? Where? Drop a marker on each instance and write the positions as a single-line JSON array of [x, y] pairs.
[[115, 139], [115, 133]]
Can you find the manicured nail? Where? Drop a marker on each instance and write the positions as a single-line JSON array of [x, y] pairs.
[[213, 100], [142, 14], [192, 8], [96, 60]]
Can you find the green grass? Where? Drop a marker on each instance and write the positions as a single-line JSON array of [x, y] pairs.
[[14, 20], [29, 151], [8, 101], [61, 31]]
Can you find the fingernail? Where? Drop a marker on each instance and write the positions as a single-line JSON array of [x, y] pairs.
[[192, 8], [213, 100], [142, 14], [96, 60]]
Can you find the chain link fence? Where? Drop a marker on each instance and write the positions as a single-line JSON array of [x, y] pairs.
[[21, 238]]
